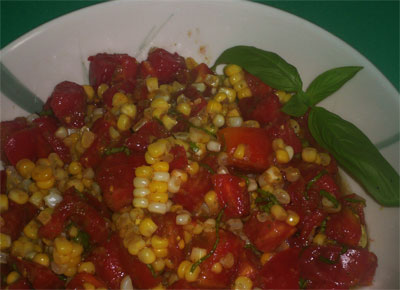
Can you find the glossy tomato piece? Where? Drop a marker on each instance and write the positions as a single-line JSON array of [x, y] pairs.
[[123, 87], [232, 195], [191, 193], [285, 131], [68, 102], [257, 87], [179, 160], [258, 151], [267, 235], [77, 209], [281, 271], [16, 218], [344, 227], [249, 265], [335, 267], [199, 73], [79, 279], [39, 276], [8, 128], [115, 176], [108, 68], [163, 65]]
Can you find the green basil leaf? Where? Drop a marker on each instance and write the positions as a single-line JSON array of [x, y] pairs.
[[356, 153], [329, 82], [268, 66], [296, 107]]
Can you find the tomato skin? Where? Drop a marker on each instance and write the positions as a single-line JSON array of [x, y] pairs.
[[257, 87], [249, 265], [79, 279], [21, 283], [281, 271], [16, 217], [39, 276], [78, 210], [268, 235], [8, 128], [285, 131], [231, 195], [344, 227], [115, 176], [258, 150], [355, 267], [108, 68], [180, 160], [191, 193]]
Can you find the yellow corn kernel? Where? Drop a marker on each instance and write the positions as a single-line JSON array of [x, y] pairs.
[[152, 84], [87, 267], [135, 245], [230, 93], [42, 259], [5, 241], [211, 200], [190, 63], [157, 149], [244, 93], [158, 113], [150, 159], [292, 218], [282, 156], [319, 239], [129, 110], [144, 171], [73, 231], [12, 277], [87, 139], [181, 244], [43, 162], [309, 154], [193, 167], [213, 107], [220, 97], [70, 271], [101, 89], [233, 113], [25, 168], [119, 99], [161, 253], [161, 197], [239, 151], [161, 166], [88, 286], [216, 268], [36, 198], [168, 122], [42, 173], [160, 103], [76, 183], [75, 168], [158, 186], [147, 227], [184, 108], [278, 212], [192, 276], [46, 184], [77, 250], [283, 96], [3, 202], [232, 69], [266, 257], [31, 230], [114, 134], [240, 85], [146, 255], [158, 265], [18, 196], [124, 122], [89, 91], [183, 267], [325, 159], [251, 124], [235, 78], [63, 246], [45, 215], [158, 242], [243, 283]]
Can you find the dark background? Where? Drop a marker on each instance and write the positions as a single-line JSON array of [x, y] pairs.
[[371, 27]]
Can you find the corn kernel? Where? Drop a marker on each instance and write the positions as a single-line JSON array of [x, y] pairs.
[[216, 268], [77, 184], [319, 239], [235, 78], [45, 215], [18, 196], [230, 93], [63, 246], [243, 283], [193, 167], [129, 110], [150, 159], [211, 200], [283, 96], [161, 166], [88, 286], [183, 267], [240, 85], [3, 202], [89, 91], [158, 265], [119, 99], [309, 154], [244, 93], [184, 108], [161, 197], [266, 257], [147, 227], [146, 255], [152, 84], [75, 168], [160, 103], [325, 159], [278, 212], [42, 259], [158, 242], [144, 171], [157, 149], [213, 107], [292, 218], [220, 97], [42, 173], [161, 253], [124, 122], [101, 90], [70, 271], [25, 168], [87, 267], [239, 151], [232, 69], [158, 186], [135, 245], [192, 276], [282, 156], [168, 122], [31, 230], [5, 241], [12, 277], [233, 113]]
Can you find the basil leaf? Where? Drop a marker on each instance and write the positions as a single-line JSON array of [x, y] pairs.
[[296, 106], [329, 82], [356, 153], [268, 66]]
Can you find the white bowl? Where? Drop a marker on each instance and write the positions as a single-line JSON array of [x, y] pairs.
[[58, 51]]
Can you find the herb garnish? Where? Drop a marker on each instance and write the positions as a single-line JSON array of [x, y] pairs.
[[303, 283], [208, 167], [330, 197], [114, 150], [332, 262], [202, 129], [253, 248], [354, 200], [350, 147], [82, 238], [153, 272], [267, 199], [194, 147], [217, 224]]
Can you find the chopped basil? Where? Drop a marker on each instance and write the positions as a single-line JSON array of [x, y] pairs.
[[153, 272], [253, 248], [82, 238], [124, 149], [208, 167], [330, 197], [267, 200], [194, 147], [302, 283], [354, 200]]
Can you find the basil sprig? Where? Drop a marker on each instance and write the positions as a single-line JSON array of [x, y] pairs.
[[351, 148]]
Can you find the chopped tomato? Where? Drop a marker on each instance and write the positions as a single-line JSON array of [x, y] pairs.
[[8, 128], [191, 193], [68, 102], [115, 176], [21, 283], [356, 204], [123, 87], [344, 227], [79, 211], [16, 149], [180, 160], [199, 73], [232, 195], [285, 131], [249, 265], [257, 87], [267, 235], [282, 270], [334, 267], [80, 279], [258, 151]]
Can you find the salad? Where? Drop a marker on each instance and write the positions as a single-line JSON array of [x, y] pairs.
[[164, 174]]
